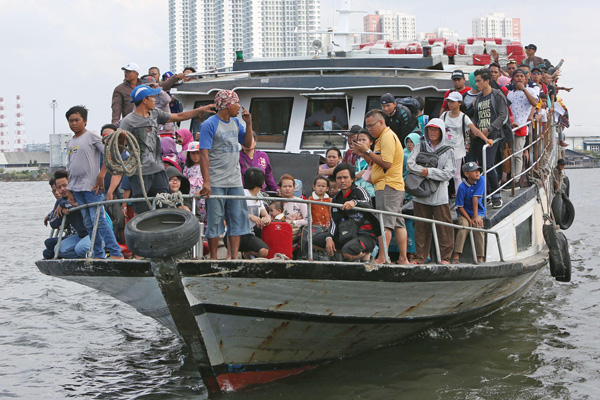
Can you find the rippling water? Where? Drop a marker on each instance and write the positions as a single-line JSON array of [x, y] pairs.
[[62, 340]]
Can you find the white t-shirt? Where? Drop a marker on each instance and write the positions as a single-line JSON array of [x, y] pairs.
[[454, 132], [254, 207], [543, 113]]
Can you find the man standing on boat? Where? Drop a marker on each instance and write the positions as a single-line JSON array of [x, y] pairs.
[[386, 174], [458, 80], [143, 124], [121, 106], [491, 113], [532, 60], [397, 116], [220, 166]]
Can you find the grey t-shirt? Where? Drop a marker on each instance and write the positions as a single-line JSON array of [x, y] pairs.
[[145, 130], [222, 141], [84, 155]]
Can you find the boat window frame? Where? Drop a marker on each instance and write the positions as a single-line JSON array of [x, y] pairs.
[[332, 134], [261, 145]]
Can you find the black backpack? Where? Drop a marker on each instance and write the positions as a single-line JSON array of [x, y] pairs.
[[414, 107]]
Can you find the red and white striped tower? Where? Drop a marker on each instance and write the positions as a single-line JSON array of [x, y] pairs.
[[4, 144], [20, 136]]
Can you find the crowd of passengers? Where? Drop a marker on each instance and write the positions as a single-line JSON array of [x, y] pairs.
[[401, 161]]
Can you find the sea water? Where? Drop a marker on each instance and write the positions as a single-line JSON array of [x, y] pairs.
[[62, 340]]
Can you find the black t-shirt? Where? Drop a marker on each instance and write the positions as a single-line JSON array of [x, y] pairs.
[[400, 122], [485, 112]]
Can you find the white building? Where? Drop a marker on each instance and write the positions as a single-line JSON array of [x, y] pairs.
[[58, 149], [397, 26], [497, 25], [446, 33], [206, 34]]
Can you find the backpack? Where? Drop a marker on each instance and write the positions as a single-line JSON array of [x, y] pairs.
[[417, 185], [304, 240], [406, 117]]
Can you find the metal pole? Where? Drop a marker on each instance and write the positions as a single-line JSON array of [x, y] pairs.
[[53, 105], [309, 227], [201, 242], [473, 247], [383, 238], [499, 246], [94, 230], [195, 249], [60, 236], [436, 242], [484, 162]]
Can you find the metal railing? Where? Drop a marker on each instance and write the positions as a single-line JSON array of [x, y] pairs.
[[197, 252], [539, 150]]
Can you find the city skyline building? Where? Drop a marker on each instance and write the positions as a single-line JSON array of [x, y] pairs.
[[4, 142], [395, 26], [497, 25], [20, 139], [205, 34]]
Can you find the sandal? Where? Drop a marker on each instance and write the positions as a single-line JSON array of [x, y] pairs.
[[455, 261]]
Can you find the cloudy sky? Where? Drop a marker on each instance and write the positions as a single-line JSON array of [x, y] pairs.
[[72, 51]]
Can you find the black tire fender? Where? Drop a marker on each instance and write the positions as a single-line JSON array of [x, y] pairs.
[[566, 258], [558, 249], [568, 212], [162, 233]]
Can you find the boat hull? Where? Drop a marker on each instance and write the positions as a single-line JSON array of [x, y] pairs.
[[261, 321]]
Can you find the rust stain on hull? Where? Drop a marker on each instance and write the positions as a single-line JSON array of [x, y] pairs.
[[273, 334], [413, 308]]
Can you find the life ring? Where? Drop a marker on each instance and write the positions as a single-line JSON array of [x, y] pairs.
[[563, 210], [558, 248], [162, 233]]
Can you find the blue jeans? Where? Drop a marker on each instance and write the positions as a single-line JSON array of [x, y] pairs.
[[105, 232], [234, 212], [73, 247]]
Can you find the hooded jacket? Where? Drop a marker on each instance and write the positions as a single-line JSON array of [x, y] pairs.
[[443, 173], [187, 137], [415, 138]]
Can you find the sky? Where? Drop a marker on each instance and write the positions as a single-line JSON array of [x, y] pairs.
[[73, 51]]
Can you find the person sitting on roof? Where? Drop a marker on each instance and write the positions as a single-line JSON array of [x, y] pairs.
[[352, 246], [328, 118]]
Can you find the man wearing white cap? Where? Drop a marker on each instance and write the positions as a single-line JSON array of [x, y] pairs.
[[120, 99]]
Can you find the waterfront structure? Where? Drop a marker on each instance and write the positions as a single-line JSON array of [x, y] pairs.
[[395, 26], [20, 139], [58, 149], [24, 160], [4, 143], [497, 25], [205, 34]]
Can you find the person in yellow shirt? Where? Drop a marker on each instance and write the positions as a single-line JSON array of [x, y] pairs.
[[386, 174]]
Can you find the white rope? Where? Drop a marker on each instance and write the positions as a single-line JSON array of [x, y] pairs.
[[168, 199]]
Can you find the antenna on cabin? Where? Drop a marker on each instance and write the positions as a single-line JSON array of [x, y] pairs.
[[4, 144]]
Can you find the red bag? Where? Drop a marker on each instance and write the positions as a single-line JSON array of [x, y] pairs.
[[278, 236]]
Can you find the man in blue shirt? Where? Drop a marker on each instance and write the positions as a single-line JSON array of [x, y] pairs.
[[220, 137], [470, 210]]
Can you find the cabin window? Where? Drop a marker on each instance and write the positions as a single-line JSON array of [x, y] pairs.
[[196, 122], [271, 121], [524, 235], [325, 122]]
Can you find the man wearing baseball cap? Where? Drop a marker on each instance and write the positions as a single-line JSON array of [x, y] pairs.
[[143, 123], [532, 60], [220, 136], [120, 98], [397, 116], [458, 80]]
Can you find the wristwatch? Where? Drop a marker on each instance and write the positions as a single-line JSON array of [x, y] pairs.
[[368, 152]]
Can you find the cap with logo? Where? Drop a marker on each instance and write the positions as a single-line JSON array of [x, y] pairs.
[[387, 99], [458, 74], [471, 166], [131, 67], [140, 92]]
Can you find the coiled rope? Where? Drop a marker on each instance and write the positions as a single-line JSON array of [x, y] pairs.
[[115, 163]]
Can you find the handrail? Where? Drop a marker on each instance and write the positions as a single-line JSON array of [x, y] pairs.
[[512, 157], [380, 214]]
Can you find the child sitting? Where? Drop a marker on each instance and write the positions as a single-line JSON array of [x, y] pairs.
[[333, 187], [276, 211], [295, 213], [320, 214], [470, 210]]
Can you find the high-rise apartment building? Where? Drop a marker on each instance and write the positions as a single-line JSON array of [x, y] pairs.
[[497, 25], [396, 26], [206, 34]]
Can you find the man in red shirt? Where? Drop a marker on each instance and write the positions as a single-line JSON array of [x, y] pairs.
[[458, 80]]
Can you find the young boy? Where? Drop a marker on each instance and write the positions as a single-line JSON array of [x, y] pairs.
[[470, 210], [86, 180]]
